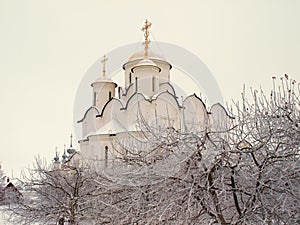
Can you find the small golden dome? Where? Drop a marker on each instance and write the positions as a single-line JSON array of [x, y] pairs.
[[103, 80], [146, 62], [140, 56]]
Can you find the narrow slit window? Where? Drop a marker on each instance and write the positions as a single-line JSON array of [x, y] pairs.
[[106, 155], [153, 82], [94, 99]]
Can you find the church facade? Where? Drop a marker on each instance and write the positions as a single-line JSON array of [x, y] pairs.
[[147, 96]]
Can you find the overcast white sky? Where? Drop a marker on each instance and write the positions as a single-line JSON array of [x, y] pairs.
[[47, 46]]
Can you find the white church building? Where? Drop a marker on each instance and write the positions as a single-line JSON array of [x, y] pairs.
[[147, 95]]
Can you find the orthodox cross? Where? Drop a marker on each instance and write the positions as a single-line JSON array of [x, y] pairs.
[[145, 29], [103, 61]]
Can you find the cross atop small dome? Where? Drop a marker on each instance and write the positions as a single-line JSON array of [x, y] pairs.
[[145, 29], [103, 61]]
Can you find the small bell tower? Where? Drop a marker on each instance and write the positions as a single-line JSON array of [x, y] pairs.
[[103, 88]]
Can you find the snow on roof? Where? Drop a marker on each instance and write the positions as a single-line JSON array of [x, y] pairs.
[[112, 127]]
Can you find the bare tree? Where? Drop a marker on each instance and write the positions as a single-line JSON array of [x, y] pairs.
[[266, 176], [2, 185], [244, 173], [64, 195], [230, 171]]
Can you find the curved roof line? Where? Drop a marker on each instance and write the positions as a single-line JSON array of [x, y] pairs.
[[167, 92], [230, 117], [167, 82], [153, 59], [194, 95], [151, 99], [127, 89], [134, 94], [92, 107], [104, 107], [138, 65]]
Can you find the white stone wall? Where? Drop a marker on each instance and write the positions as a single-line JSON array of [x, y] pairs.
[[102, 90], [154, 101]]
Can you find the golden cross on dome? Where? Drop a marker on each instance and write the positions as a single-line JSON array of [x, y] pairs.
[[103, 61], [145, 29]]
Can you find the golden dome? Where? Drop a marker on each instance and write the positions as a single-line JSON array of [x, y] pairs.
[[140, 56], [146, 62], [103, 79]]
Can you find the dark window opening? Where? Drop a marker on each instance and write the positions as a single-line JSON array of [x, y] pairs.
[[94, 99], [153, 82], [136, 84], [106, 155]]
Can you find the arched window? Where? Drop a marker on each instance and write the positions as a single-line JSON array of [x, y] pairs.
[[109, 95], [130, 78]]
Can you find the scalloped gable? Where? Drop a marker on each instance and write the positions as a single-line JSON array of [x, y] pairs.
[[218, 106], [199, 99], [169, 87], [150, 100], [86, 112], [220, 119], [167, 93], [195, 114], [110, 102]]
